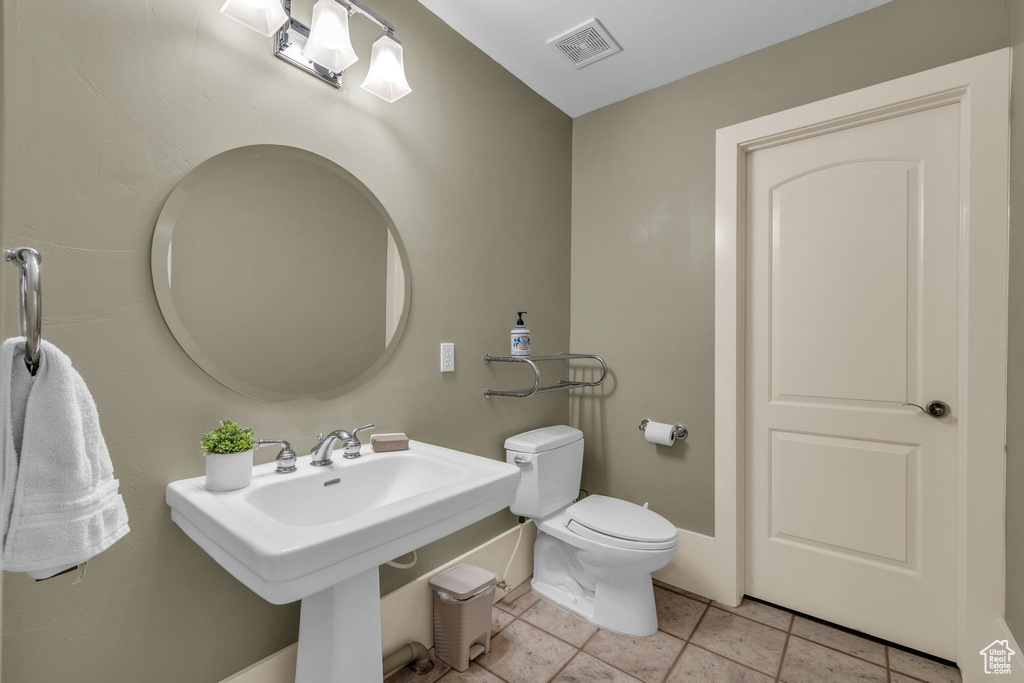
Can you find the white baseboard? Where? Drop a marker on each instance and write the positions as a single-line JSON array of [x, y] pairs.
[[277, 668], [1008, 635], [406, 614], [1018, 666], [972, 670], [695, 566]]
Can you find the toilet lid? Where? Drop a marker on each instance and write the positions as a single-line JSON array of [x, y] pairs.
[[620, 519]]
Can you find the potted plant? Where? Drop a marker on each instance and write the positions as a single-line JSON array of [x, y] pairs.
[[228, 450]]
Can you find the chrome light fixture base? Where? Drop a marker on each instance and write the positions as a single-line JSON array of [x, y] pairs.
[[288, 43], [291, 38]]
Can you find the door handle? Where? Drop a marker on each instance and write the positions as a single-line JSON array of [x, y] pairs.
[[936, 409]]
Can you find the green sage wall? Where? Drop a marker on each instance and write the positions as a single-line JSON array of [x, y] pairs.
[[108, 115], [108, 106], [643, 231]]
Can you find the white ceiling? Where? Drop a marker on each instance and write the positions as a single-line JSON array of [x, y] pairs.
[[662, 40]]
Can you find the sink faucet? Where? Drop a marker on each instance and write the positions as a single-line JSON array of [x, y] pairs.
[[321, 452], [285, 457]]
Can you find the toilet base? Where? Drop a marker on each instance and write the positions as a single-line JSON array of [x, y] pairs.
[[617, 598], [634, 616]]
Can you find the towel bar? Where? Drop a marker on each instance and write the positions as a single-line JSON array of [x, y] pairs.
[[537, 388], [31, 301]]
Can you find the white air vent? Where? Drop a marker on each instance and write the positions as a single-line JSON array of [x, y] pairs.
[[586, 44]]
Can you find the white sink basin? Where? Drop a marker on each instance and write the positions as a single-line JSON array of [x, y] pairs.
[[288, 536], [365, 486]]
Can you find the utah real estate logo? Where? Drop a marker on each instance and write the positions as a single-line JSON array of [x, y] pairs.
[[997, 657]]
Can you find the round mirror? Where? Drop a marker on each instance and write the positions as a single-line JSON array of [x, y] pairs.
[[280, 274]]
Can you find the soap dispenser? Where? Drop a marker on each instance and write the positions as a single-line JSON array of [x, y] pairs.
[[520, 337]]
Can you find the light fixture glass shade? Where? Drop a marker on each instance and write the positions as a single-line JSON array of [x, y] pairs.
[[329, 44], [386, 77], [263, 16]]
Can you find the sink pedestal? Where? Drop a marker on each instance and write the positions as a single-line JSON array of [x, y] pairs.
[[339, 633]]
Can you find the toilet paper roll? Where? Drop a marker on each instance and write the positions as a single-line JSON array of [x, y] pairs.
[[659, 432]]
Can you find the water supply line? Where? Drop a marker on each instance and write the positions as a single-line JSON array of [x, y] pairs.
[[503, 584]]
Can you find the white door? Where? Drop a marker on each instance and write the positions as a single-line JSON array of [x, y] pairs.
[[853, 248]]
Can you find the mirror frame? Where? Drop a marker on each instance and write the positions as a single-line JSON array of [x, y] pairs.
[[160, 270]]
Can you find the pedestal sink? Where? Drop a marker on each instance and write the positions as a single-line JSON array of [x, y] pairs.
[[318, 535]]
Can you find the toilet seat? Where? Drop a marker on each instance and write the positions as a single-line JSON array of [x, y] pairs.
[[619, 523]]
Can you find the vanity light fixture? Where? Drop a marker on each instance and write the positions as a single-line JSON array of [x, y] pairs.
[[263, 16], [329, 43], [386, 77], [325, 48]]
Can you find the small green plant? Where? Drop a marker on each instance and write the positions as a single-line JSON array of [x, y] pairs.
[[228, 438]]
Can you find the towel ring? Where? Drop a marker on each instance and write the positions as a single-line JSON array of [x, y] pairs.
[[31, 302]]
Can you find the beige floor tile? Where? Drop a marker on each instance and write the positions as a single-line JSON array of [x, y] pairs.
[[682, 591], [920, 667], [766, 614], [649, 659], [408, 676], [698, 664], [499, 620], [558, 622], [900, 678], [524, 654], [519, 600], [677, 614], [840, 640], [742, 640], [587, 669], [474, 674], [808, 662]]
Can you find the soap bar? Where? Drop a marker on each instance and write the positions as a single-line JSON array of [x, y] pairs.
[[382, 443]]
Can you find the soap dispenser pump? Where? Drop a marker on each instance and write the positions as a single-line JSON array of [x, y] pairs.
[[520, 337]]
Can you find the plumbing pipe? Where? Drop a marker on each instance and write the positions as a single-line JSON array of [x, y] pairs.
[[411, 653], [405, 565]]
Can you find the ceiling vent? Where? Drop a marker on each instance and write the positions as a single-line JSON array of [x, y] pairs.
[[586, 44]]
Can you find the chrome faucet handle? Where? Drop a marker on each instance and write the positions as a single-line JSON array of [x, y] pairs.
[[352, 444], [363, 428], [285, 457]]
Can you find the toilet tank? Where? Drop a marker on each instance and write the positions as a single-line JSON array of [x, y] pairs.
[[551, 462]]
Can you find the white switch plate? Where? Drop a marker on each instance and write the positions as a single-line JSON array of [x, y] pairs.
[[447, 357]]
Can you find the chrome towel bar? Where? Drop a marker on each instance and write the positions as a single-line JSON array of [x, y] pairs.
[[31, 290], [537, 388]]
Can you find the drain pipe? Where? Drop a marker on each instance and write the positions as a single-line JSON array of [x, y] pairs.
[[411, 653]]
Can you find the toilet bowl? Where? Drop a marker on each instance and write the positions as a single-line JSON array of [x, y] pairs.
[[594, 557]]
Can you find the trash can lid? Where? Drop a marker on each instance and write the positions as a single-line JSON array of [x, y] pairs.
[[462, 581]]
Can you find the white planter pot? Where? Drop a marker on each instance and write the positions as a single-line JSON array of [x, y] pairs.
[[228, 471]]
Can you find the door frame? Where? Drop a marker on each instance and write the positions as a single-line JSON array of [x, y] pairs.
[[981, 86]]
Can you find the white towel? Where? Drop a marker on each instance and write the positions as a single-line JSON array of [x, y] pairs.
[[60, 500]]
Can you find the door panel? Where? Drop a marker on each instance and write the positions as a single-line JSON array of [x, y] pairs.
[[851, 346], [863, 501], [852, 261]]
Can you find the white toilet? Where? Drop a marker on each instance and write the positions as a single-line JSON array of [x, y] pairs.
[[595, 557]]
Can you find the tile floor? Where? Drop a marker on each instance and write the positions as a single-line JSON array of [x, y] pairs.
[[535, 642]]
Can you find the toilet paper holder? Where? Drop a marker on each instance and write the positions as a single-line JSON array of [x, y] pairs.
[[678, 431]]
